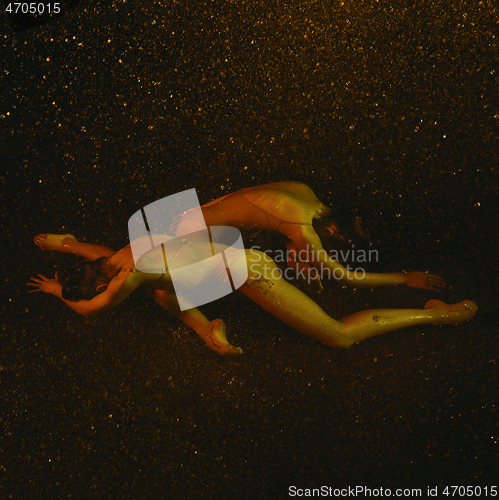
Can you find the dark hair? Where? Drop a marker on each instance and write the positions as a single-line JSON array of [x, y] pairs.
[[82, 282], [350, 229]]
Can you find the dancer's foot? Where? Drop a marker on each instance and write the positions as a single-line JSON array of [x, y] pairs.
[[219, 340], [454, 313], [49, 241]]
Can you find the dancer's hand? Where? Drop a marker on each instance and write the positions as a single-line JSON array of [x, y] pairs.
[[46, 285], [425, 280]]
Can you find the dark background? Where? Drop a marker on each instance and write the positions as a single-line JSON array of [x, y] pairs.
[[387, 109]]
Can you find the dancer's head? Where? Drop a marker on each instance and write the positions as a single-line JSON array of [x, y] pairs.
[[342, 229], [84, 282]]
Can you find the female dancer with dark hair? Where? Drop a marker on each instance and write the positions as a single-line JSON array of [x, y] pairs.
[[114, 276]]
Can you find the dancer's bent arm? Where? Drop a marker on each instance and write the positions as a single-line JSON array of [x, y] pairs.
[[118, 290]]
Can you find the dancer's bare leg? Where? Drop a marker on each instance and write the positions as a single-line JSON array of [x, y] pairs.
[[267, 288], [66, 243], [212, 332]]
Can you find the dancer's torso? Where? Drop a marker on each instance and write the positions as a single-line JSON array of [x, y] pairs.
[[123, 262], [154, 265]]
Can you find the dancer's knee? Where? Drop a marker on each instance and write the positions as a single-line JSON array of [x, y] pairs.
[[336, 340], [344, 343], [344, 337]]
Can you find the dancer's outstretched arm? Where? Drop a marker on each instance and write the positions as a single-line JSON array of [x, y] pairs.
[[308, 242], [119, 288]]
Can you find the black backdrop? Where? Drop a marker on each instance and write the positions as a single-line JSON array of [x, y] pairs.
[[387, 109]]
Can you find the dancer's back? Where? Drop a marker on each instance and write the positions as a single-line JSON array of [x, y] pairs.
[[266, 207]]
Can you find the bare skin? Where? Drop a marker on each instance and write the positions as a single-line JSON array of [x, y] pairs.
[[290, 208], [283, 300], [264, 285]]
